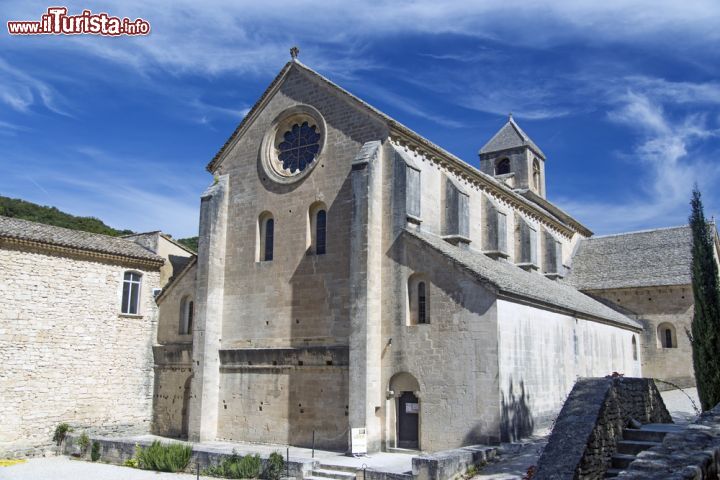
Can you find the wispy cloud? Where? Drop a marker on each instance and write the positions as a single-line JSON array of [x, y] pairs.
[[672, 164], [20, 91], [125, 192]]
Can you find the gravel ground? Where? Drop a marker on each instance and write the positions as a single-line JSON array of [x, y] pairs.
[[62, 468]]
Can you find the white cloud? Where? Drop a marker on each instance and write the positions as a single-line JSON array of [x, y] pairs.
[[20, 91], [670, 170], [216, 36], [125, 192]]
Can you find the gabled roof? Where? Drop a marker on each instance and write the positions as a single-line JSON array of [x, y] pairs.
[[630, 260], [49, 236], [508, 137], [461, 167], [515, 283]]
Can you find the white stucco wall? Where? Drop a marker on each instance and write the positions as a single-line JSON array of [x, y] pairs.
[[542, 353]]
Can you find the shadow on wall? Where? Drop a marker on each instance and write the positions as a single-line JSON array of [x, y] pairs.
[[516, 421]]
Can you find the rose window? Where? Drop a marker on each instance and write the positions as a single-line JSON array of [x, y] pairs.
[[299, 147]]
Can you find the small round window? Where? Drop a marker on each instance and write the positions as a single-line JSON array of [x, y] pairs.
[[293, 144], [299, 147]]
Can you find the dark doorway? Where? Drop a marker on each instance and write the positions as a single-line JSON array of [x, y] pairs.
[[408, 415]]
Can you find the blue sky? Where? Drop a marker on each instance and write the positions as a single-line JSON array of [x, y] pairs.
[[624, 99]]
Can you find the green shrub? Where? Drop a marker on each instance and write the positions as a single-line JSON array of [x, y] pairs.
[[235, 466], [275, 466], [250, 466], [134, 462], [60, 432], [171, 457], [95, 452], [83, 443]]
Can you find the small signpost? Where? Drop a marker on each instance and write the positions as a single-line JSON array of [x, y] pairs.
[[358, 441]]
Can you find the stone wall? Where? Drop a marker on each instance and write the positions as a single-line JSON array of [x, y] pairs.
[[591, 422], [453, 358], [652, 307], [173, 359], [282, 395], [173, 369], [693, 453], [67, 354]]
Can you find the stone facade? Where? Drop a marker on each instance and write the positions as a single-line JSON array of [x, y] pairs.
[[659, 309], [68, 354], [303, 343]]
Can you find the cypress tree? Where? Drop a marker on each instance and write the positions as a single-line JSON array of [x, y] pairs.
[[705, 329]]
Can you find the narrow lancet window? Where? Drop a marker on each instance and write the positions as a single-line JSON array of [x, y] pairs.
[[320, 232]]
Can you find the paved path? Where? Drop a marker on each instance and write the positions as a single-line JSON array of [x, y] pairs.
[[62, 468]]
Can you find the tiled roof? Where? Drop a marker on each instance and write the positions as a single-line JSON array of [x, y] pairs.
[[24, 230], [510, 136], [638, 259], [513, 280]]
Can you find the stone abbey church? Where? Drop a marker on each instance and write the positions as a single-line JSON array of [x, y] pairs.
[[350, 274]]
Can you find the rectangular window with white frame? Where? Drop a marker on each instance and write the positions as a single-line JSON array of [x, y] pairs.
[[131, 293]]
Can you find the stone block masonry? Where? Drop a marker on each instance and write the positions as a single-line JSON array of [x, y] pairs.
[[67, 354], [591, 422]]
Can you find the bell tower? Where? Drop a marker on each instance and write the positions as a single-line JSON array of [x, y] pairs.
[[514, 159]]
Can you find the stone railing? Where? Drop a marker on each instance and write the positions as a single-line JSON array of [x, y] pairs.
[[591, 423]]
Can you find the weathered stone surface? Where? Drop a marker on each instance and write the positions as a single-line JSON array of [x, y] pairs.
[[67, 353], [591, 422], [692, 453]]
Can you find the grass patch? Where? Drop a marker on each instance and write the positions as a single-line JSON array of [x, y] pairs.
[[9, 462]]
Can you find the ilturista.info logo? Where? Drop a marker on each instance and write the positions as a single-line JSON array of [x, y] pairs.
[[56, 21]]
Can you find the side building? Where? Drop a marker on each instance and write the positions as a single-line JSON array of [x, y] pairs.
[[77, 325], [647, 275]]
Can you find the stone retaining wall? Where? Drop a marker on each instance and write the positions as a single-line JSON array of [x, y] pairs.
[[118, 450], [451, 464], [591, 422]]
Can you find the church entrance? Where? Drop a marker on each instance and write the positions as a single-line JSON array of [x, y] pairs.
[[408, 413]]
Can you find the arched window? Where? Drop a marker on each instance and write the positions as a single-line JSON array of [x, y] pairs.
[[502, 167], [536, 175], [320, 232], [634, 348], [317, 229], [266, 237], [131, 293], [667, 337], [418, 300], [186, 315]]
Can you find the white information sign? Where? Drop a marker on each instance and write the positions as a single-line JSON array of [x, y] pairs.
[[358, 441]]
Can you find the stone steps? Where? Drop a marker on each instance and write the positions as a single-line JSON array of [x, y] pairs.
[[635, 441], [633, 447], [333, 472]]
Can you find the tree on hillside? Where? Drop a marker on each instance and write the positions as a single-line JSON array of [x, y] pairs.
[[705, 329]]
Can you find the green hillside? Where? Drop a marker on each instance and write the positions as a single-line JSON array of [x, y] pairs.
[[16, 208]]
